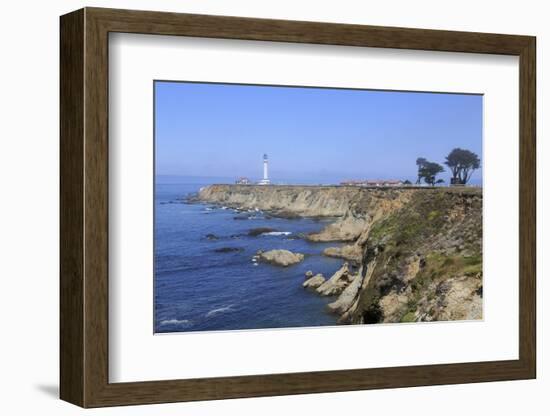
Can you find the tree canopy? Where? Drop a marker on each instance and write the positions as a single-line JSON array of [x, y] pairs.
[[428, 171], [462, 164], [419, 163]]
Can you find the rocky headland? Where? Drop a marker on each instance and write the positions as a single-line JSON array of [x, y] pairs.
[[411, 254]]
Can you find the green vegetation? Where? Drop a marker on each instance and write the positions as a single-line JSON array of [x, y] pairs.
[[462, 164], [439, 267], [408, 225], [436, 231], [472, 265], [433, 215], [408, 317], [428, 171]]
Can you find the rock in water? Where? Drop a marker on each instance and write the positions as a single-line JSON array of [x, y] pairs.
[[346, 299], [254, 232], [314, 282], [281, 257], [337, 283], [228, 249], [309, 274]]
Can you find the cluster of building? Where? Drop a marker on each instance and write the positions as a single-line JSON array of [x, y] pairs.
[[371, 183], [363, 183], [243, 181]]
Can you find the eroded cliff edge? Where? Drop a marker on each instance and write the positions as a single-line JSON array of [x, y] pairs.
[[418, 251]]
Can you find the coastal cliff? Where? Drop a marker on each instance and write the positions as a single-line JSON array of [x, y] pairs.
[[303, 201], [417, 252]]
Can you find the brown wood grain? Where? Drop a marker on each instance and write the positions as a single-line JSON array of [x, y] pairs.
[[527, 208], [84, 207], [71, 208]]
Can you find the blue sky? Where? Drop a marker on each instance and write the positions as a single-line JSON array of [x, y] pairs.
[[312, 135]]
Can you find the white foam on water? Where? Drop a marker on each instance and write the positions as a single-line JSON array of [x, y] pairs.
[[174, 321], [277, 233], [219, 310]]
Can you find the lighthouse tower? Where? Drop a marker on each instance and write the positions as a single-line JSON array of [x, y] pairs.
[[265, 180]]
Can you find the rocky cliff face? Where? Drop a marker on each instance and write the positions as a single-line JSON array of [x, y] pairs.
[[421, 262], [308, 201], [418, 252]]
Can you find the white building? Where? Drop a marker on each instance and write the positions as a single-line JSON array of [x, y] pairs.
[[243, 181], [265, 180]]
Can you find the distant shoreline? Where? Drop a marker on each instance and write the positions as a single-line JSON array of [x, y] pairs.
[[454, 188]]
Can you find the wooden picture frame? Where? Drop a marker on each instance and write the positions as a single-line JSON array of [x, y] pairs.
[[84, 207]]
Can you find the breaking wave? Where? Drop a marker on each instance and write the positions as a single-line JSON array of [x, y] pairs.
[[278, 233], [219, 310], [175, 322]]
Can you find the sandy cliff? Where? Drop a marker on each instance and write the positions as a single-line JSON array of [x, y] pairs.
[[417, 252]]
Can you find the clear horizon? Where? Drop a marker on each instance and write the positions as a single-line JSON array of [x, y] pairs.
[[312, 135]]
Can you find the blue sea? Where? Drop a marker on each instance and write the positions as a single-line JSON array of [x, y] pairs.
[[199, 289]]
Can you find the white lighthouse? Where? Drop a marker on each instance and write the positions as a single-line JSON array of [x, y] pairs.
[[265, 180]]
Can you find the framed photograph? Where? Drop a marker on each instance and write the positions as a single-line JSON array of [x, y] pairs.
[[255, 207]]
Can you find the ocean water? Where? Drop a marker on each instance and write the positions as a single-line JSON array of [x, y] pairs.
[[199, 289]]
